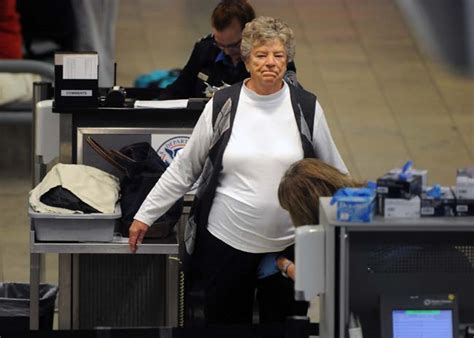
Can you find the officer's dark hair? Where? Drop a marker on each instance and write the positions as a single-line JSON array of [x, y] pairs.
[[228, 10]]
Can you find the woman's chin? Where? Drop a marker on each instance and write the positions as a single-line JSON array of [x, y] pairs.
[[271, 80]]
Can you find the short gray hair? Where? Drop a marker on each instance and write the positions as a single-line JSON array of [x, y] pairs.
[[263, 29]]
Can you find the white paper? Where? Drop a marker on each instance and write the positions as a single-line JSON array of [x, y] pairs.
[[163, 104], [80, 66]]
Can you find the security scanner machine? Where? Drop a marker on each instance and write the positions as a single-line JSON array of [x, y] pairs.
[[392, 274], [102, 284]]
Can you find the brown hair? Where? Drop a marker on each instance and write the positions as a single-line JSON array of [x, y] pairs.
[[302, 185], [228, 10]]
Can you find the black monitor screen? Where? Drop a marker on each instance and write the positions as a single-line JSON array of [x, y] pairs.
[[422, 323]]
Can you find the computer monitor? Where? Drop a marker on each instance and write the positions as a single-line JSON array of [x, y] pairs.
[[433, 316]]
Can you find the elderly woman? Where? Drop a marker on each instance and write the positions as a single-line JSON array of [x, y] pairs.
[[245, 139]]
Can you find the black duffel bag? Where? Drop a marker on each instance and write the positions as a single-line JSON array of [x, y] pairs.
[[141, 168]]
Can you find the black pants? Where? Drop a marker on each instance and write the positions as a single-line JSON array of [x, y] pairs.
[[221, 283]]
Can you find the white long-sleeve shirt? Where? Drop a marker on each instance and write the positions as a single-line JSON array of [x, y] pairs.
[[264, 142]]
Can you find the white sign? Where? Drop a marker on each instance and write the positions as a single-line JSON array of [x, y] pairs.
[[80, 66]]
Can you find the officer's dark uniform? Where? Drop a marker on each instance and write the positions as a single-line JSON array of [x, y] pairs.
[[207, 63]]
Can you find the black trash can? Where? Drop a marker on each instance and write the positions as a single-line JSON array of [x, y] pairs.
[[15, 306]]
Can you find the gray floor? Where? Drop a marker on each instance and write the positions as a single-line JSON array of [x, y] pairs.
[[384, 100]]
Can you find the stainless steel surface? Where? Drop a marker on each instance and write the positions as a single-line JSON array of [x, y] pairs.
[[342, 282], [75, 299], [34, 290], [172, 287], [41, 92], [122, 131], [65, 138], [64, 297], [347, 280], [386, 224], [166, 246], [327, 299], [39, 169]]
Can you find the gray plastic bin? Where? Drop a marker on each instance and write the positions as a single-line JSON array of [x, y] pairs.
[[75, 227], [15, 306]]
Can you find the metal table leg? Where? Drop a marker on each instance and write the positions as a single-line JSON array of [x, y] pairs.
[[35, 267], [342, 282], [64, 299], [327, 312], [172, 288], [74, 304]]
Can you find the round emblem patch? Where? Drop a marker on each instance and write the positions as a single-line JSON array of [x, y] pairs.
[[170, 148]]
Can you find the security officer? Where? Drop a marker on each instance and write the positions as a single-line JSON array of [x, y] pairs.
[[215, 60]]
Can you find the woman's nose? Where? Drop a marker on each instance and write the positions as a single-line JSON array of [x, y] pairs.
[[270, 60]]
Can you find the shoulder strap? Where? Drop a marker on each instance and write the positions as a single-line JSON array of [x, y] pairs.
[[221, 97], [304, 103]]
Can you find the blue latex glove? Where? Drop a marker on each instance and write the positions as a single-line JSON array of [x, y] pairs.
[[406, 170], [435, 191], [267, 266], [368, 191]]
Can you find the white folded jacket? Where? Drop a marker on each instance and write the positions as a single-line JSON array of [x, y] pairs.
[[93, 186]]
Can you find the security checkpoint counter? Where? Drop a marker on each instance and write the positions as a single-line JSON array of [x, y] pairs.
[[99, 283]]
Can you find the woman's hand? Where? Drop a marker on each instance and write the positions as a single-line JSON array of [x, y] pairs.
[[286, 266], [136, 233]]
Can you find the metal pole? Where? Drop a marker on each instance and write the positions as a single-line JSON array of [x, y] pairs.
[[35, 266], [41, 91]]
